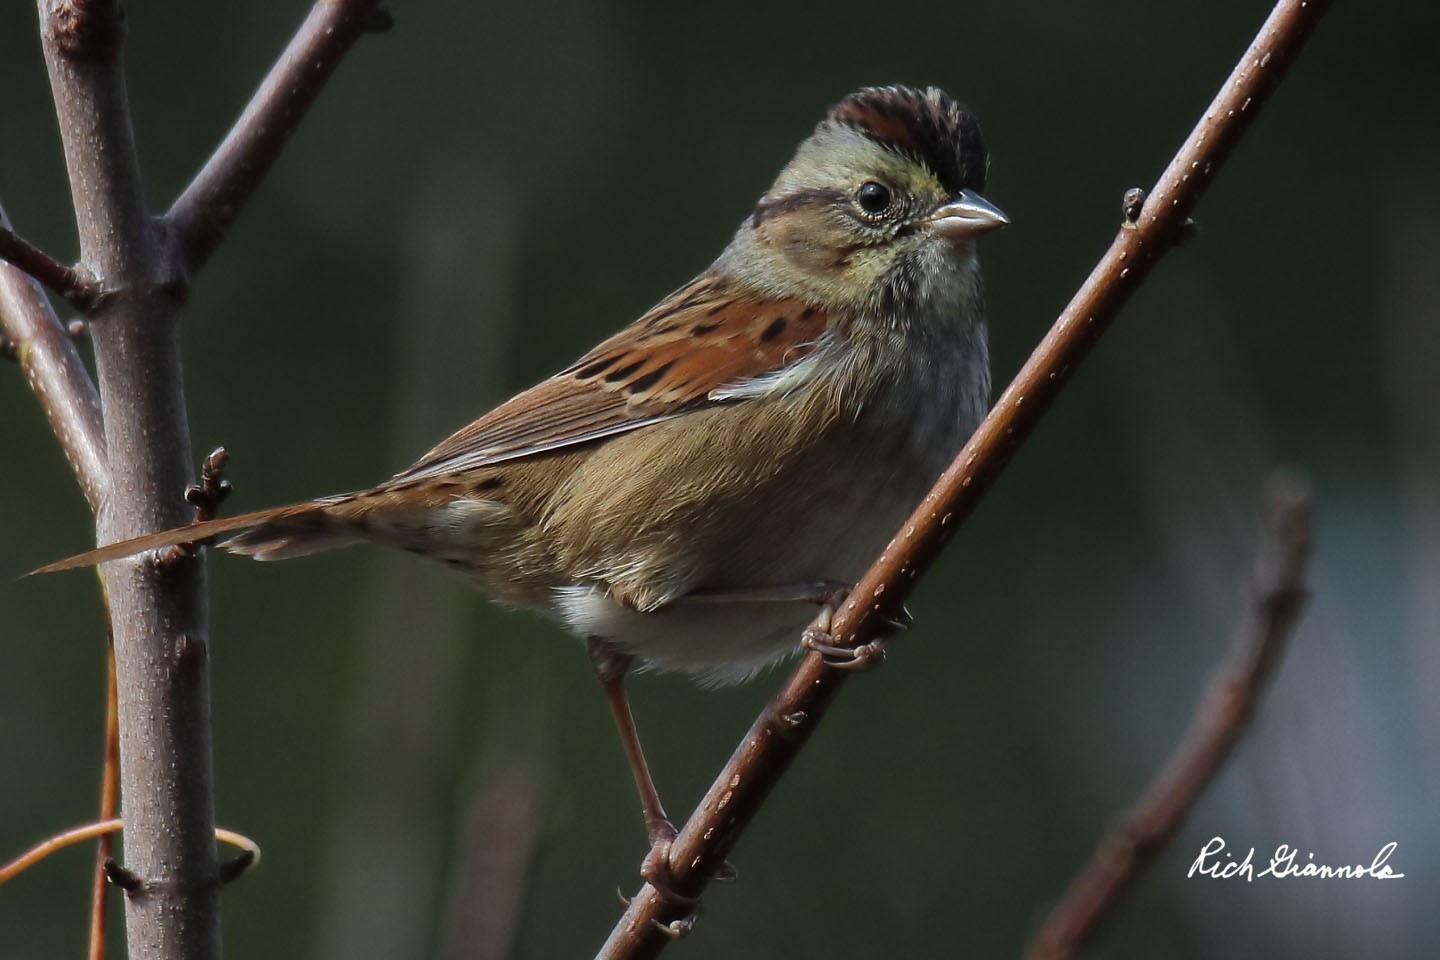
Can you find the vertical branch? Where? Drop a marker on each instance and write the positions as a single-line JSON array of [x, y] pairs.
[[158, 611], [133, 462]]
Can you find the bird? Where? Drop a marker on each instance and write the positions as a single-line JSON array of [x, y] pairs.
[[690, 492]]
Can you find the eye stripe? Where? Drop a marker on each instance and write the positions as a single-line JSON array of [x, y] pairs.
[[771, 207]]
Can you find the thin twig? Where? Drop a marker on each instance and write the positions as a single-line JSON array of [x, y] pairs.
[[785, 725], [59, 841], [1276, 596], [53, 368], [64, 280], [212, 201]]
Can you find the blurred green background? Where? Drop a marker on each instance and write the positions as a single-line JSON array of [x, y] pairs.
[[489, 189]]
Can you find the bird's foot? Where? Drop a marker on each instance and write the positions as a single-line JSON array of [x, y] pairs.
[[655, 869], [863, 657], [817, 638]]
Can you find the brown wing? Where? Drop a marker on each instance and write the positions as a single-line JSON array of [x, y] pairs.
[[699, 340]]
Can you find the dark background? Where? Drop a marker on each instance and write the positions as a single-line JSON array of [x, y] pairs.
[[488, 190]]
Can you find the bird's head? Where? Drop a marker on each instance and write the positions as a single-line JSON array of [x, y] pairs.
[[879, 208]]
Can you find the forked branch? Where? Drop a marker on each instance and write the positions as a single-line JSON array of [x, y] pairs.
[[786, 724], [134, 461]]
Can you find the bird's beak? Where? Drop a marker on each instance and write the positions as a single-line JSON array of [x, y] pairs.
[[966, 217]]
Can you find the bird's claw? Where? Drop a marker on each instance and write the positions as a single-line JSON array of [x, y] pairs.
[[676, 929], [901, 619], [863, 657], [818, 639]]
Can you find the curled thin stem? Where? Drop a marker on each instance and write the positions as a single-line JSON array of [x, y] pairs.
[[90, 831]]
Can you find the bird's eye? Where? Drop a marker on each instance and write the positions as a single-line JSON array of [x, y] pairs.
[[873, 198]]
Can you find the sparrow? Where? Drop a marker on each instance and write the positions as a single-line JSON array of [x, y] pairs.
[[685, 495]]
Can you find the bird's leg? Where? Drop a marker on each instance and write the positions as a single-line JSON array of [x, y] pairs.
[[829, 595], [611, 666]]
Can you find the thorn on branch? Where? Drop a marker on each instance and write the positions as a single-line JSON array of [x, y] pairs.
[[189, 653], [78, 329], [207, 495], [232, 869], [1131, 205], [121, 877]]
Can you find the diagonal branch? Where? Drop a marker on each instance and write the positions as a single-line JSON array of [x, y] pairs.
[[212, 201], [1276, 596], [783, 728], [54, 370]]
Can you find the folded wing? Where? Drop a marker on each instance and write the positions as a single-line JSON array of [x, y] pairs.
[[699, 341]]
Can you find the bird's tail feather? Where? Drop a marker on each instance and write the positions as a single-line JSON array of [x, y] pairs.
[[275, 534]]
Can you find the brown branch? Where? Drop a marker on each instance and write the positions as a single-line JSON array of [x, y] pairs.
[[55, 372], [1276, 596], [157, 610], [212, 201], [64, 280], [109, 801], [786, 724]]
